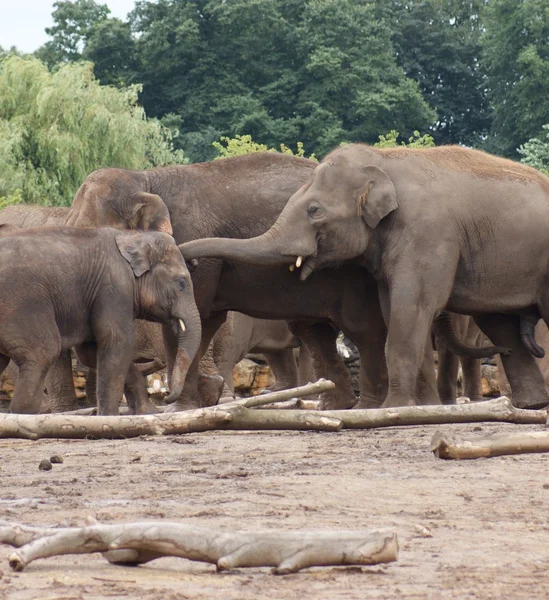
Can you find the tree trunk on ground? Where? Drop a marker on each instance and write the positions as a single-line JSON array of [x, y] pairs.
[[33, 427], [495, 445], [498, 409], [138, 543]]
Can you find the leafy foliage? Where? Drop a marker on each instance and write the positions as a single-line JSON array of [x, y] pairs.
[[535, 152], [516, 60], [438, 45], [416, 140], [55, 128], [243, 144]]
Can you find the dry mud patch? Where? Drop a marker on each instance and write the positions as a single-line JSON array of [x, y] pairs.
[[487, 518]]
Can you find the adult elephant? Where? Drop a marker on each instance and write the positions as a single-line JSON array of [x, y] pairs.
[[441, 227], [241, 197]]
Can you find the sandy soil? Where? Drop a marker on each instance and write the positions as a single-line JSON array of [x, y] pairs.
[[488, 518]]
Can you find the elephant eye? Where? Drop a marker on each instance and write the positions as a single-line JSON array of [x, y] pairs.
[[182, 284], [315, 211]]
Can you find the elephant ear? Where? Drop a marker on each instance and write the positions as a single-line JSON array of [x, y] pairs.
[[137, 251], [150, 213], [378, 197]]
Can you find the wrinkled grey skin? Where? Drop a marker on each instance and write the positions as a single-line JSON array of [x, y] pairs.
[[448, 363], [61, 287], [239, 336], [439, 227], [273, 340], [241, 197]]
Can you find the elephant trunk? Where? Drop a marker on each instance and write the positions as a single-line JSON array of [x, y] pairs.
[[444, 330], [271, 248], [188, 341]]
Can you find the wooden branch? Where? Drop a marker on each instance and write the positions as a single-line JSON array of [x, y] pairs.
[[494, 445], [498, 409], [322, 385], [247, 418], [33, 427], [138, 543]]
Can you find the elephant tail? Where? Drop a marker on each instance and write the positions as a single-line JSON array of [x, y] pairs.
[[444, 330], [527, 327]]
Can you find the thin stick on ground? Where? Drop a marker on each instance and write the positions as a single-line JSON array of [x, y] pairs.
[[322, 385], [138, 543], [500, 444]]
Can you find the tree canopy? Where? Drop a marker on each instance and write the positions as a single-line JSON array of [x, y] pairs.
[[323, 72], [55, 128]]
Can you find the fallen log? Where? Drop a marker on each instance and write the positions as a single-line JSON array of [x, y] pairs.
[[498, 409], [499, 444], [33, 427], [322, 385], [304, 420], [138, 543]]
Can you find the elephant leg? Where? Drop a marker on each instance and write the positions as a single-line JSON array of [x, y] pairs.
[[283, 367], [426, 386], [448, 367], [91, 387], [28, 393], [4, 362], [222, 356], [135, 390], [321, 341], [409, 354], [60, 385], [525, 378], [472, 378], [305, 365], [211, 385]]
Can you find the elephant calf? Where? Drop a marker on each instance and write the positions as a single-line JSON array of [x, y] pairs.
[[62, 287]]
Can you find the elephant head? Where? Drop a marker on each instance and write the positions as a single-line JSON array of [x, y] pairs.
[[330, 219], [164, 293], [120, 199]]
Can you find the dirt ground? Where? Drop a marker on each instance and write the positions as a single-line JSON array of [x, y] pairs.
[[488, 519]]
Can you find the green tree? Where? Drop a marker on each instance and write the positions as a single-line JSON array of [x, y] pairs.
[[244, 144], [73, 24], [516, 60], [55, 128], [319, 70], [438, 44], [535, 152]]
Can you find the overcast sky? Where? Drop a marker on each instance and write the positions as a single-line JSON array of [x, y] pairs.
[[22, 22]]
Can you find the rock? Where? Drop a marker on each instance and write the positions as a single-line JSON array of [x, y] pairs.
[[490, 385], [56, 459], [249, 378], [45, 465]]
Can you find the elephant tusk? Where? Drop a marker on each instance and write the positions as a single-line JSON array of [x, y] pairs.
[[299, 261], [182, 323], [291, 267]]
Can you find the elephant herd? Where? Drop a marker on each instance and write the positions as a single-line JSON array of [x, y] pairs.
[[396, 248]]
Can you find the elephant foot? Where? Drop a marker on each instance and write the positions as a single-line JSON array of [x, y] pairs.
[[364, 403], [330, 401], [532, 400], [182, 404], [210, 389], [147, 407], [396, 401], [49, 406]]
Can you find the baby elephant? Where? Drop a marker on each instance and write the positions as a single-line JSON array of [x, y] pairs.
[[62, 287]]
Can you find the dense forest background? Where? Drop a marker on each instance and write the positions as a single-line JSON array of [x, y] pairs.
[[318, 72]]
